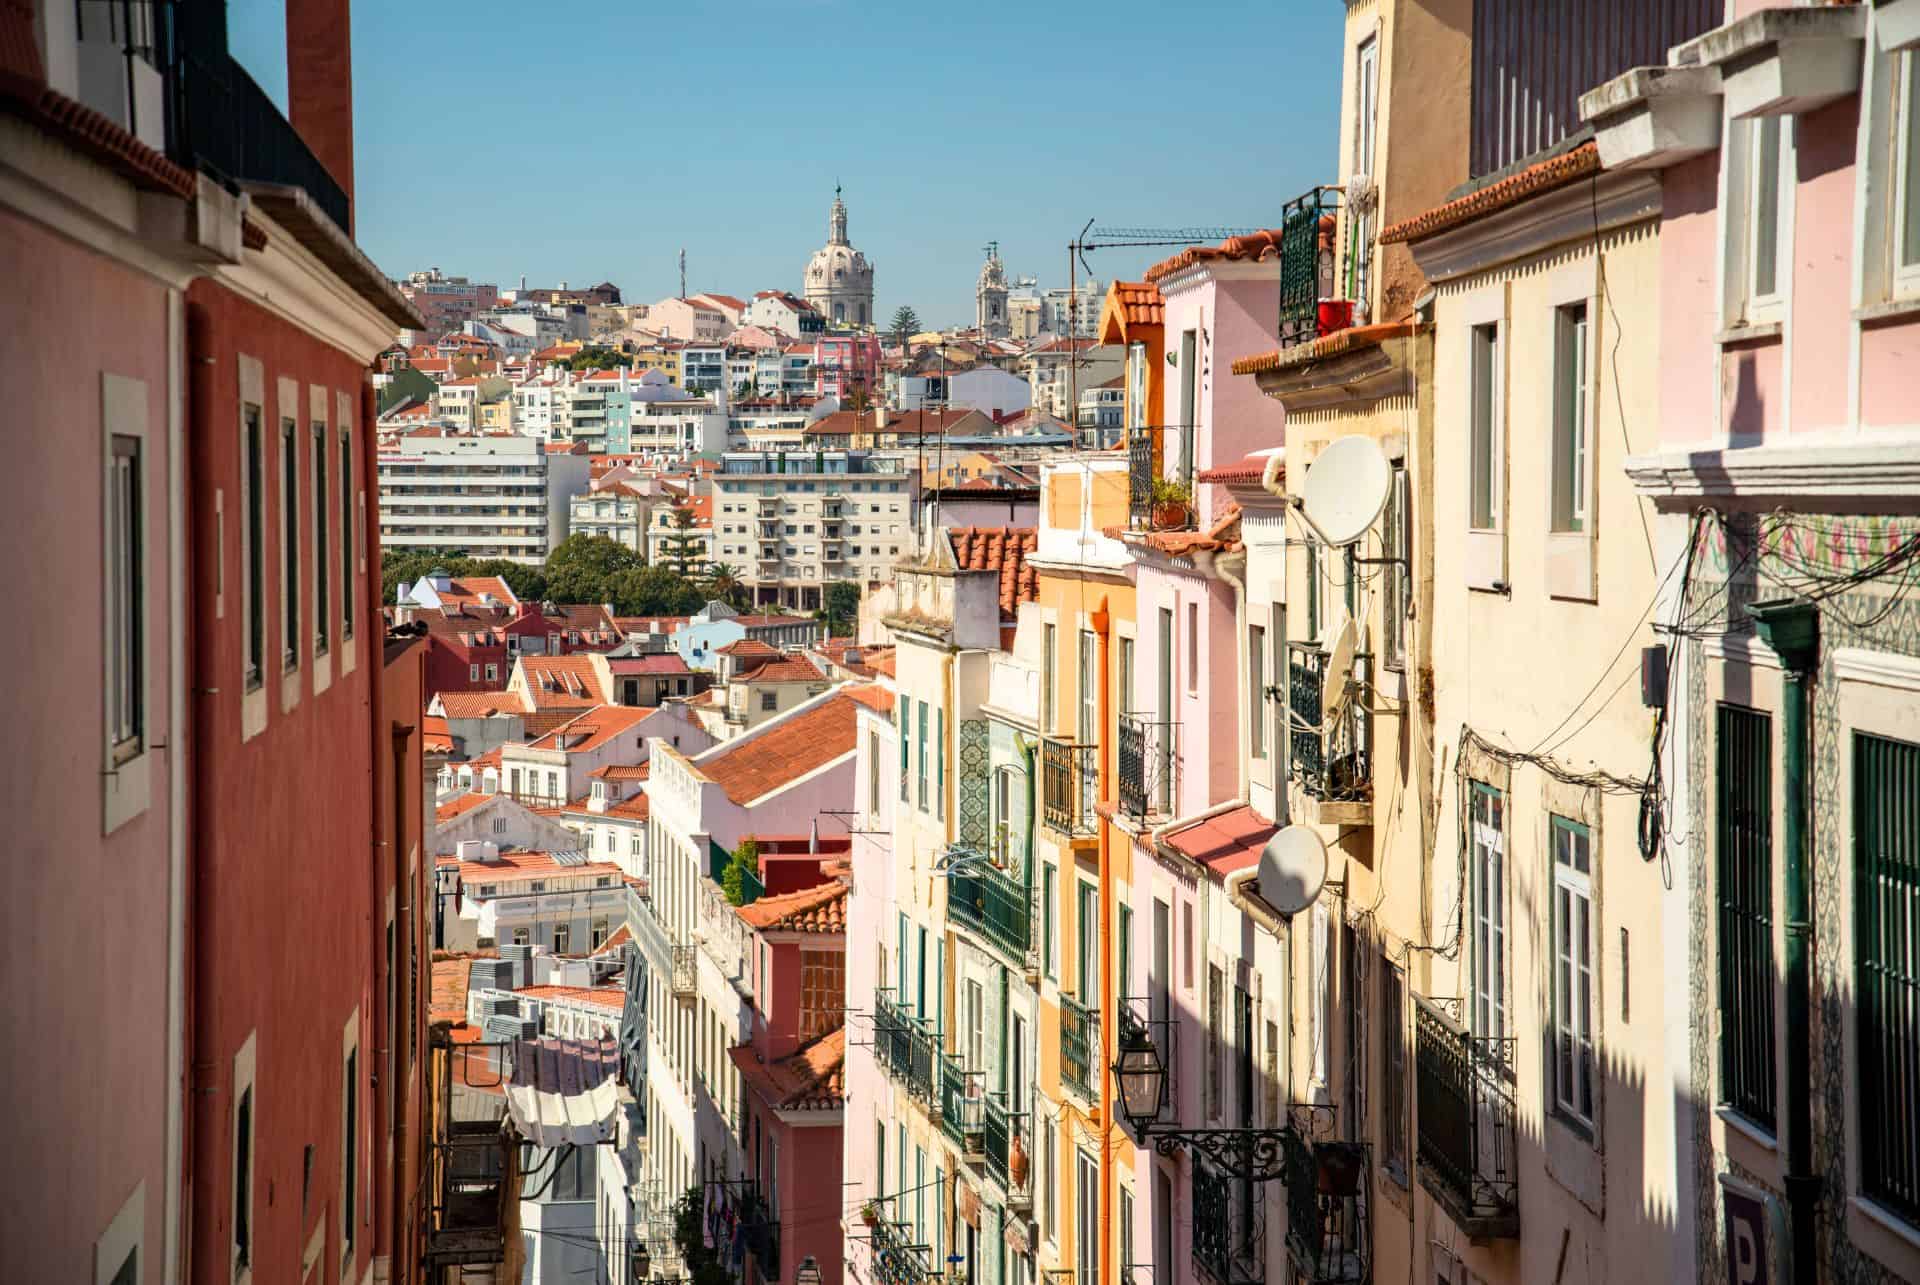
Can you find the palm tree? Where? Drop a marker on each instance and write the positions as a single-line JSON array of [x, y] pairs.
[[724, 583]]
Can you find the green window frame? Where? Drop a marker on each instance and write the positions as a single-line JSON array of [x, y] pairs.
[[920, 755], [1087, 938], [1743, 891], [1886, 857], [1123, 950], [940, 761], [906, 735]]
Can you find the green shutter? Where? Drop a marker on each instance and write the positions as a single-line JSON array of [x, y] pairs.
[[906, 730], [940, 757], [1886, 854], [1743, 866]]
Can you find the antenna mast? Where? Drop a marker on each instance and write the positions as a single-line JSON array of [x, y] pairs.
[[683, 272]]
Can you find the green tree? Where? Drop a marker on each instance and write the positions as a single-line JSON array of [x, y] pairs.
[[591, 358], [905, 323], [583, 568], [529, 584], [723, 583], [681, 548], [840, 607], [705, 1266], [744, 861], [653, 591]]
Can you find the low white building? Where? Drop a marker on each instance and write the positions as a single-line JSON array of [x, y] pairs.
[[557, 899], [485, 497], [619, 511]]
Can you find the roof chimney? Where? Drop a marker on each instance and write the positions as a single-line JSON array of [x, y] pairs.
[[320, 85]]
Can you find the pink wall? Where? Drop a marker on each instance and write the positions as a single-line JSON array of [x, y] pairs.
[[1823, 266], [1689, 241], [1236, 319], [88, 945], [1890, 375], [1209, 763]]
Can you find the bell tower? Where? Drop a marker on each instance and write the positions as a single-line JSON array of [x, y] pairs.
[[990, 296]]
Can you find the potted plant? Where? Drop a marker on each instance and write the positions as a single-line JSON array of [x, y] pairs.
[[1172, 503], [870, 1213]]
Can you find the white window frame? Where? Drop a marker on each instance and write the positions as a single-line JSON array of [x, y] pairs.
[[1572, 403], [126, 766], [319, 468], [124, 1238], [1767, 301], [1487, 872], [1486, 562], [1570, 569], [1906, 173], [1573, 1021], [1319, 992], [1743, 306]]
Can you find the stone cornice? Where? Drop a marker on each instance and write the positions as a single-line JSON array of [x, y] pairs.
[[1580, 211], [1882, 468]]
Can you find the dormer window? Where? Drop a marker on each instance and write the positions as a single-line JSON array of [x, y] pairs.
[[600, 791]]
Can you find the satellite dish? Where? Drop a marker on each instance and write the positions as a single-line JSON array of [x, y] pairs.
[[1346, 489], [1293, 869], [1333, 681]]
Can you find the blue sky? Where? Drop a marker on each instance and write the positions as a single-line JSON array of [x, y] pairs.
[[580, 142]]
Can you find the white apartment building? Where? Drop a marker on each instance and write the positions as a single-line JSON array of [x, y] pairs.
[[485, 497], [619, 511], [794, 522]]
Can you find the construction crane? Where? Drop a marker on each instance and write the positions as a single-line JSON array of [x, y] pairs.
[[1105, 238]]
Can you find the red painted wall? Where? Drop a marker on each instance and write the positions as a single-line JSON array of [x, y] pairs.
[[402, 973], [285, 831]]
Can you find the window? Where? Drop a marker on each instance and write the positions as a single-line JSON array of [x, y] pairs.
[[1049, 1166], [1123, 674], [126, 599], [1193, 647], [1086, 964], [1743, 885], [1572, 972], [1189, 374], [1484, 462], [1126, 1234], [873, 774], [1216, 1050], [920, 758], [1765, 137], [1319, 994], [1256, 689], [1487, 834], [254, 543], [1087, 1215], [350, 1162], [562, 938], [289, 545], [769, 701], [1361, 219], [493, 673], [346, 535], [243, 1181], [322, 554], [1046, 918], [1123, 951], [1048, 639], [940, 760], [1570, 418], [906, 725], [1398, 534], [1393, 1055], [1886, 881], [974, 1017], [1312, 554]]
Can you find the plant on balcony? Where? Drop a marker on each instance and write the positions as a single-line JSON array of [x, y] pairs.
[[744, 861], [1172, 503], [870, 1212], [704, 1266]]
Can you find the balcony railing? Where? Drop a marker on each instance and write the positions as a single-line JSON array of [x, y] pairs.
[[962, 1105], [904, 1047], [1329, 763], [1069, 776], [1079, 1047], [988, 901], [1328, 1238], [998, 1130], [1310, 286], [1464, 1099], [686, 971], [1229, 1240], [1148, 762], [897, 1258], [1140, 455], [227, 123]]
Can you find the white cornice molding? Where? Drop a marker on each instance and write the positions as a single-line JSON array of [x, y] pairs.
[[1204, 272], [289, 281], [1886, 466], [1881, 668], [1580, 211]]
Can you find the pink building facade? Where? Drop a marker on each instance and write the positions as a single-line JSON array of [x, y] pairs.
[[1786, 495], [844, 362]]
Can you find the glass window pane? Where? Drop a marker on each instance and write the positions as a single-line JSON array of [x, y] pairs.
[[1766, 206]]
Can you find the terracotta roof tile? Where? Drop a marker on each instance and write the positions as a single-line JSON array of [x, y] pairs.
[[790, 669], [1242, 472], [1325, 346], [548, 681], [1542, 176], [1224, 843], [748, 648], [594, 728], [1002, 549], [480, 704], [782, 751], [1253, 247], [460, 805], [820, 909], [873, 696], [812, 1078], [610, 997]]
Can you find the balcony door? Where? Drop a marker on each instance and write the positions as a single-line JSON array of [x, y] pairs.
[[1088, 731]]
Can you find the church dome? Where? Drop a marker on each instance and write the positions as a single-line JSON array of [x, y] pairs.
[[839, 280]]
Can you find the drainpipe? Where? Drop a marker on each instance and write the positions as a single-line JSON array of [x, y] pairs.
[[379, 744], [1102, 622], [1257, 910], [1792, 629], [180, 764]]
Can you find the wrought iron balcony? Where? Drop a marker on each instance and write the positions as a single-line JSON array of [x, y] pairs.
[[1140, 472], [1069, 779], [1464, 1098], [1329, 1241], [1148, 762], [1229, 1232], [1314, 300], [990, 902], [896, 1258], [998, 1129], [686, 971], [962, 1104], [469, 1158], [905, 1048], [1079, 1047], [1330, 761]]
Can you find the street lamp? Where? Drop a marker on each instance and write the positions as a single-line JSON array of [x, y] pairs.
[[1143, 1080], [642, 1261], [808, 1273]]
